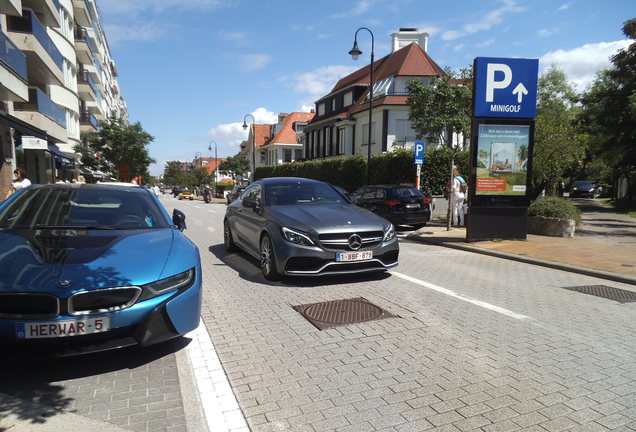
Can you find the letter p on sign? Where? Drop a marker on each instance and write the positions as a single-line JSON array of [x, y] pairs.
[[491, 84]]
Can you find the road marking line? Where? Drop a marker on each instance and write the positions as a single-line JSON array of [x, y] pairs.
[[220, 406], [462, 297]]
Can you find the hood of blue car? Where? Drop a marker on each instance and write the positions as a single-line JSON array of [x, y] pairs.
[[45, 260], [326, 217]]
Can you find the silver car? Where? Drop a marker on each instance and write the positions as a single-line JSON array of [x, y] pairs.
[[303, 227]]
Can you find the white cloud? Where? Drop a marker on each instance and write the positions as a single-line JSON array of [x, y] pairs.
[[240, 37], [459, 47], [232, 134], [485, 22], [119, 7], [545, 33], [318, 82], [144, 32], [360, 8], [485, 43], [583, 63], [254, 62], [565, 6]]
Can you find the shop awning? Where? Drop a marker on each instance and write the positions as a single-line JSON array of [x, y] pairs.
[[65, 160]]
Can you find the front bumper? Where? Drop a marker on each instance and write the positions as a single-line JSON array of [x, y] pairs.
[[297, 260], [146, 323]]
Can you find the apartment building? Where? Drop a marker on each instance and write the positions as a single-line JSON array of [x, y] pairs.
[[341, 124], [57, 79]]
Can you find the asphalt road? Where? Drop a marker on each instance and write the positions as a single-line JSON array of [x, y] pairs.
[[474, 343]]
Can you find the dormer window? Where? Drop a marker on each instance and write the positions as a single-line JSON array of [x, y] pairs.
[[321, 109], [348, 99]]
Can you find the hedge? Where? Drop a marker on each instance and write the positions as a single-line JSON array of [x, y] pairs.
[[396, 167]]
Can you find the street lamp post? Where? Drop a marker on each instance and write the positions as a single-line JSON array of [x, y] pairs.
[[197, 156], [216, 163], [253, 143], [355, 53]]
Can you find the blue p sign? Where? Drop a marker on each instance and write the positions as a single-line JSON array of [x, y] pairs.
[[419, 152]]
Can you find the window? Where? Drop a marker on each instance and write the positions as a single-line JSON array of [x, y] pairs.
[[365, 133], [287, 155], [321, 109], [348, 99], [298, 155], [262, 156], [341, 141], [333, 104]]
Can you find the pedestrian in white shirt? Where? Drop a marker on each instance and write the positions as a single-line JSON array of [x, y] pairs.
[[458, 195], [20, 182]]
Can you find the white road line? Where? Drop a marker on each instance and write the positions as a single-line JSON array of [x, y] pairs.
[[220, 406], [467, 299]]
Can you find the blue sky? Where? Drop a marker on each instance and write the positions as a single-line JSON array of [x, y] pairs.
[[190, 71]]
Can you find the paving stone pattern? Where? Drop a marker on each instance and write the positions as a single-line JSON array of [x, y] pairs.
[[445, 365], [137, 390]]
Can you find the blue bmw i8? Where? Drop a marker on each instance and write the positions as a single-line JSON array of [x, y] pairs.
[[86, 268]]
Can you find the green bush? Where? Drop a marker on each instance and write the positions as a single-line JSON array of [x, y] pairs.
[[555, 208], [350, 172]]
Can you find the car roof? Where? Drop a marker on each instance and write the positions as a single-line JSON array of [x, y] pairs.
[[118, 184]]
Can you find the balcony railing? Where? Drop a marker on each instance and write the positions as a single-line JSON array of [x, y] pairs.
[[85, 77], [12, 57], [29, 23], [87, 118], [42, 103], [82, 35]]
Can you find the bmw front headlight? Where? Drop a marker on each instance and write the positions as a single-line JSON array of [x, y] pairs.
[[163, 286], [296, 236], [389, 233]]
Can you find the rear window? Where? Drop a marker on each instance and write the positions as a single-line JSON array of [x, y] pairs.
[[69, 206], [405, 192]]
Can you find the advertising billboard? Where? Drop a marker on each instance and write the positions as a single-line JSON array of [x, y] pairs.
[[503, 151]]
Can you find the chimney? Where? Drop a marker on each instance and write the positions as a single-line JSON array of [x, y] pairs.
[[282, 117], [405, 36]]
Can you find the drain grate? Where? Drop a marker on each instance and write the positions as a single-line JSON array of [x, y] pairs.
[[605, 291], [334, 313]]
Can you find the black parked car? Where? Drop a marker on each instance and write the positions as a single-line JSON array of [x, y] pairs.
[[582, 188], [400, 205], [234, 193]]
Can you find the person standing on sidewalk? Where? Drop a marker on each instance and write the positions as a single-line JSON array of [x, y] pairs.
[[458, 195], [20, 182]]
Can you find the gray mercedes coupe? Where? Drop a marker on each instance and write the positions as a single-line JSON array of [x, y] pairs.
[[302, 227]]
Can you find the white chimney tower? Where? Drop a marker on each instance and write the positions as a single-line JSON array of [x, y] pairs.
[[405, 36]]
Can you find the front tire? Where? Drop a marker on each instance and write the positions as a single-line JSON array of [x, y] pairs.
[[228, 241], [268, 259]]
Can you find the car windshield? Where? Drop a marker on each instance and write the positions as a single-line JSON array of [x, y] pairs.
[[583, 184], [405, 192], [288, 193], [88, 207]]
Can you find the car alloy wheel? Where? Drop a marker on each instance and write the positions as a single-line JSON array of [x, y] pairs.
[[268, 260], [228, 241]]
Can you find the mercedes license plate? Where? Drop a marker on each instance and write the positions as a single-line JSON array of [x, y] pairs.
[[63, 328], [354, 256]]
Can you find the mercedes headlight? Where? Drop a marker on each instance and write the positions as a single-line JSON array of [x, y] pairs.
[[295, 236], [389, 233], [163, 286]]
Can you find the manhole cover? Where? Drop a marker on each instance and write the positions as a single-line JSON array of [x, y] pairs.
[[335, 313], [605, 291]]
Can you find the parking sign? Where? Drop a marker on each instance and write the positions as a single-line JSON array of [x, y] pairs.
[[506, 87], [419, 152]]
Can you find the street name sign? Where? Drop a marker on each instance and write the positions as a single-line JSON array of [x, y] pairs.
[[505, 87], [419, 153]]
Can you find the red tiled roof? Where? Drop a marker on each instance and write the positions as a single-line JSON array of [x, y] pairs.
[[287, 134], [262, 133], [410, 60]]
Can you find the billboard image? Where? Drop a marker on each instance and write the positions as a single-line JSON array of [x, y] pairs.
[[502, 159]]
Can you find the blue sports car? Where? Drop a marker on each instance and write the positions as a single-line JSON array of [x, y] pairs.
[[86, 268]]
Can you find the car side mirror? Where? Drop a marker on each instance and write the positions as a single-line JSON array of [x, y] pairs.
[[253, 203], [178, 218]]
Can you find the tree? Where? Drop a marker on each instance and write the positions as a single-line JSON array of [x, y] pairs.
[[116, 145], [237, 165], [609, 114], [441, 111], [172, 173], [558, 146]]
